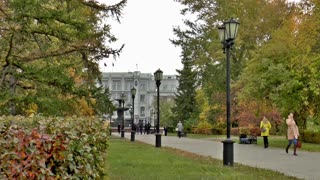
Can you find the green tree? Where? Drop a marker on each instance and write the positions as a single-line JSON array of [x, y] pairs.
[[166, 114], [185, 97], [49, 53], [286, 69], [259, 19]]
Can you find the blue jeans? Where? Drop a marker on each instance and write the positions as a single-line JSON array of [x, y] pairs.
[[294, 141]]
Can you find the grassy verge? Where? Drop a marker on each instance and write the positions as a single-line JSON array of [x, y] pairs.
[[138, 161]]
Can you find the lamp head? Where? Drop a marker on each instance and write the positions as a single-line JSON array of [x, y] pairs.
[[133, 91], [222, 33], [158, 75], [231, 29]]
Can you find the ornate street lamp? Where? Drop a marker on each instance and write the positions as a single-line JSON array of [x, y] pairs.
[[227, 35], [123, 96], [133, 130], [158, 77]]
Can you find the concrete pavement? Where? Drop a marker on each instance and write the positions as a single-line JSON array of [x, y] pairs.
[[304, 166]]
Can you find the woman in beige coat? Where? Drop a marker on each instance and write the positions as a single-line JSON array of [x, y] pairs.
[[293, 134]]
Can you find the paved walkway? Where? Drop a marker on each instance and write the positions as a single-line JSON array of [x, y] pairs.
[[304, 166]]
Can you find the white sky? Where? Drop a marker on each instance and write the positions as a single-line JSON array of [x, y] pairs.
[[145, 29]]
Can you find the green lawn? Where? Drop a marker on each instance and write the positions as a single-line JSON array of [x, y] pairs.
[[128, 160]]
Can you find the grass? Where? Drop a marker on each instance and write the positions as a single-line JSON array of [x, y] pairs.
[[274, 141], [128, 160]]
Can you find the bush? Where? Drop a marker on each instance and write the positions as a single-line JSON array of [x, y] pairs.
[[311, 137], [203, 127], [235, 131], [52, 148], [218, 131], [255, 131], [172, 129], [244, 130]]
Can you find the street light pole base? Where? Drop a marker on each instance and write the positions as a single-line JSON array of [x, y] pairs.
[[228, 152], [133, 135], [158, 140], [122, 133]]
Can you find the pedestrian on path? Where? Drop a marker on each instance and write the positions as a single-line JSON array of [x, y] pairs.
[[265, 127], [180, 128], [292, 134], [165, 129], [140, 127], [119, 128]]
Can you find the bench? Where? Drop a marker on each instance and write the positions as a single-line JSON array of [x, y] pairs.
[[244, 139]]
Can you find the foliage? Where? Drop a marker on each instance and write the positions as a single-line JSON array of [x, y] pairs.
[[185, 108], [219, 131], [286, 68], [49, 53], [250, 130], [203, 127], [275, 59], [311, 137], [166, 114], [52, 148], [235, 131]]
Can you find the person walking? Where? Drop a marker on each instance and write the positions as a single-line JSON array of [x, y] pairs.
[[265, 127], [165, 129], [119, 127], [140, 127], [292, 134], [180, 128]]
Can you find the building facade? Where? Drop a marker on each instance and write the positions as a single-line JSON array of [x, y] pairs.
[[146, 94]]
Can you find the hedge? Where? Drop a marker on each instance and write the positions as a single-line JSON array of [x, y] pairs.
[[311, 137], [52, 148]]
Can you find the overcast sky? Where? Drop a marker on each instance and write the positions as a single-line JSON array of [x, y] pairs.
[[145, 29]]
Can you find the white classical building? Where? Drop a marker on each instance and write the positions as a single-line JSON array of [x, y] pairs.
[[146, 94]]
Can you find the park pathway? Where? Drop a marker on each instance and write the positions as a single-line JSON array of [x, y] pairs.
[[304, 166]]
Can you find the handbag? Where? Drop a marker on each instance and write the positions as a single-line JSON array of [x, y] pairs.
[[299, 144], [263, 129]]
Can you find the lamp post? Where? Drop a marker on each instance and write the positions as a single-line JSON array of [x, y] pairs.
[[133, 130], [122, 126], [158, 77], [227, 35]]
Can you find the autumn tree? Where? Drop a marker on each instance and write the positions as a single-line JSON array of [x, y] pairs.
[[49, 53], [258, 21], [286, 69]]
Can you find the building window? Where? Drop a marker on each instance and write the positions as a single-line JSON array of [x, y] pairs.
[[129, 85], [143, 86], [142, 113], [142, 98], [116, 85], [165, 87]]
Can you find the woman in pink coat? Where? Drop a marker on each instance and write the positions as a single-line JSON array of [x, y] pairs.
[[293, 134]]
